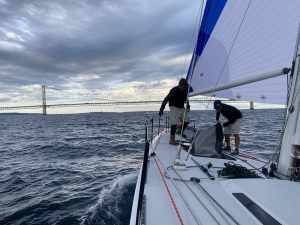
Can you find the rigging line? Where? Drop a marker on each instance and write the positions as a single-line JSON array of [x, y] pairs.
[[193, 34], [205, 178], [178, 215], [178, 190], [217, 203], [233, 25], [205, 29], [254, 10], [201, 102], [275, 152], [214, 52], [289, 87], [231, 49], [278, 144], [195, 55], [259, 22], [296, 44], [204, 43], [193, 67], [221, 25], [196, 196], [192, 70], [218, 79], [184, 206]]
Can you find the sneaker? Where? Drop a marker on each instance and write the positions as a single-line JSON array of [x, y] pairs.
[[227, 148], [172, 141], [235, 152], [179, 132]]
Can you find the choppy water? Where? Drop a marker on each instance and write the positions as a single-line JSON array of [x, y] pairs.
[[82, 169]]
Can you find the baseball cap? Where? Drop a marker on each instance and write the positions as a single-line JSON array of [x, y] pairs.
[[217, 104]]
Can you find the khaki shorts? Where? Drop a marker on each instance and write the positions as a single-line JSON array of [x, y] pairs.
[[234, 128], [176, 113]]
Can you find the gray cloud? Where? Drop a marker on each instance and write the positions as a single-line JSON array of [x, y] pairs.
[[49, 42]]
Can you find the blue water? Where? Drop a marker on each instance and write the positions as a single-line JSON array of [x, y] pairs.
[[82, 168]]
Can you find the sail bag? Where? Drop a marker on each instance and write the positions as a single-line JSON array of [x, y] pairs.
[[208, 142]]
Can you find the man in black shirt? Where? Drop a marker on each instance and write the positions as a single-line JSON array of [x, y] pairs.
[[176, 98], [232, 126]]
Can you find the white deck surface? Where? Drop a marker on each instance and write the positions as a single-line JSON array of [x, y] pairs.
[[278, 198]]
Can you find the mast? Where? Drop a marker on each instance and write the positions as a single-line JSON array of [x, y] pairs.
[[291, 137]]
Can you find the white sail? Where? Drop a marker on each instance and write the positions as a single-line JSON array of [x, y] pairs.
[[238, 40]]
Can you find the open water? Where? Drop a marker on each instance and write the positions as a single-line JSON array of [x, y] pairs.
[[82, 168]]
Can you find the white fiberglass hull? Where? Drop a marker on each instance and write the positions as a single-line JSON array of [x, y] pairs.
[[275, 200]]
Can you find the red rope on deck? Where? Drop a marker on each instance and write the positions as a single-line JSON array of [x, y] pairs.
[[163, 176], [250, 157], [169, 192]]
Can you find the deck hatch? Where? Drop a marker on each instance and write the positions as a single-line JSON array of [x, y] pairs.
[[257, 211]]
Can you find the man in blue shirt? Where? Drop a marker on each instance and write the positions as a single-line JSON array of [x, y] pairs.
[[232, 126]]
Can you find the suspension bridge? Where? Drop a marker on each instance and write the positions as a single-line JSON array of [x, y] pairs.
[[48, 97]]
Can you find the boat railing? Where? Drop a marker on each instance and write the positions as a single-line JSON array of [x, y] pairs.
[[149, 140], [140, 216], [150, 127]]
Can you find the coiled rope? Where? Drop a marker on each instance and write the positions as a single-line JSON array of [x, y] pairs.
[[236, 171]]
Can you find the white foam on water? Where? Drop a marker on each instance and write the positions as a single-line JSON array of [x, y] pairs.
[[112, 194]]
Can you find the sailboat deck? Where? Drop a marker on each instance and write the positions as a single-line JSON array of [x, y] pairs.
[[275, 197]]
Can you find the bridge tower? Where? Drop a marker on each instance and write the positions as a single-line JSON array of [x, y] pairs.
[[44, 99], [251, 105]]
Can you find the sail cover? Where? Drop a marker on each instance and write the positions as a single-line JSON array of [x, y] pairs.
[[237, 40]]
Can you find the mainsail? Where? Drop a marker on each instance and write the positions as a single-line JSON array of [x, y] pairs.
[[240, 39]]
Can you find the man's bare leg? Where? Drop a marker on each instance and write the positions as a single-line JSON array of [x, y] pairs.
[[227, 139], [237, 141], [177, 126]]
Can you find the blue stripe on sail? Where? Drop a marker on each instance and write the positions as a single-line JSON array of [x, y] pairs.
[[213, 10]]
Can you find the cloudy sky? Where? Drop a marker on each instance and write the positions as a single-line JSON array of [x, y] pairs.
[[129, 50]]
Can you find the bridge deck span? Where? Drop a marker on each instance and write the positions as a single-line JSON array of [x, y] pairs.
[[105, 104]]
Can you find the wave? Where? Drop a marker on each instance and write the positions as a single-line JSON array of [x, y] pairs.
[[110, 202]]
